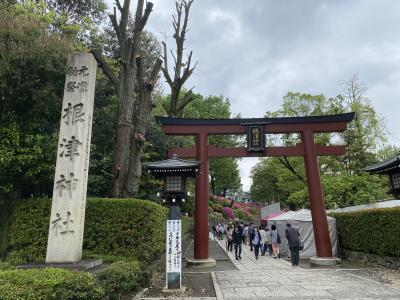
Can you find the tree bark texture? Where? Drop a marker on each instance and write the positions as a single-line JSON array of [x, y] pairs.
[[125, 85], [142, 115]]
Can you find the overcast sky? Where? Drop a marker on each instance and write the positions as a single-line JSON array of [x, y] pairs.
[[255, 51]]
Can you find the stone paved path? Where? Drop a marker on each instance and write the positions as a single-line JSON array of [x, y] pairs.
[[269, 278]]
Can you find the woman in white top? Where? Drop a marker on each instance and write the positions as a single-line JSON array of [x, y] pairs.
[[264, 241]]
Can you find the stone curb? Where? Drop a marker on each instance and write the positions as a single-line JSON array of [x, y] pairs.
[[217, 288], [139, 295]]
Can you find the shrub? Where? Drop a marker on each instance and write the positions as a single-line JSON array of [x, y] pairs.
[[228, 213], [6, 265], [119, 278], [217, 208], [215, 216], [48, 284], [373, 231], [185, 224], [244, 215], [114, 227]]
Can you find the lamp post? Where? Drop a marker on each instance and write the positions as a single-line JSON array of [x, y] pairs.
[[390, 167], [174, 172]]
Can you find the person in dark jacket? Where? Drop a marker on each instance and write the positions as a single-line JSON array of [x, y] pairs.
[[255, 240], [237, 241], [292, 235], [251, 230]]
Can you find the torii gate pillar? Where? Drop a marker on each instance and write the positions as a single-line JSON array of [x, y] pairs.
[[317, 204], [201, 201]]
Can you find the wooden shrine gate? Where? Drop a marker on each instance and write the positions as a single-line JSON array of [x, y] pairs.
[[256, 129]]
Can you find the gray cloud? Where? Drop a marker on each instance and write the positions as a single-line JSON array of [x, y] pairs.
[[255, 51]]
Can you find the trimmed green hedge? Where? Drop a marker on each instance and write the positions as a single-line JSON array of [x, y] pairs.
[[373, 231], [120, 278], [114, 227], [48, 284]]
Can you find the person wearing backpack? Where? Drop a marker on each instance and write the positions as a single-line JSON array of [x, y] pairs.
[[264, 241]]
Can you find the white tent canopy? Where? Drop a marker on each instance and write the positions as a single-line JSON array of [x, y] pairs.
[[302, 221]]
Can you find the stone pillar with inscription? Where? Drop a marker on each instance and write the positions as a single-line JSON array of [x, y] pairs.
[[70, 183]]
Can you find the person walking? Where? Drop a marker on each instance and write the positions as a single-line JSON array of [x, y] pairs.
[[255, 240], [269, 244], [251, 230], [264, 241], [237, 241], [292, 235], [229, 236], [246, 234], [214, 232], [275, 241]]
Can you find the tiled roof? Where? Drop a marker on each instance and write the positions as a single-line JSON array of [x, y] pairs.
[[384, 166]]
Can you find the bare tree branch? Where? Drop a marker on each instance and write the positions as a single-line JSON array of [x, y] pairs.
[[147, 12], [106, 68], [186, 99], [155, 71], [179, 22], [124, 17], [173, 56], [289, 166], [165, 68], [138, 18], [113, 19], [140, 72], [118, 4]]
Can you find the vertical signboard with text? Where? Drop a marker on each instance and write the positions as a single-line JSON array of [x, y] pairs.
[[173, 254], [255, 137], [70, 182]]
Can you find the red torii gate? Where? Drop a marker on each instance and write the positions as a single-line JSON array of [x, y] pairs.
[[255, 129]]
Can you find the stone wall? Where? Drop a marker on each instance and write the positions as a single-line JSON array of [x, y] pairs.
[[370, 259]]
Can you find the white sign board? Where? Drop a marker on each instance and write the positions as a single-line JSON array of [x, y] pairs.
[[70, 182], [174, 251], [273, 208]]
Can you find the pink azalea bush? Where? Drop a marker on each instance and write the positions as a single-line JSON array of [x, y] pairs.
[[244, 211], [228, 213]]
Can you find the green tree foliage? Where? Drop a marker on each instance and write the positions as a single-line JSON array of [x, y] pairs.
[[345, 189], [285, 177], [225, 171], [103, 131], [32, 72], [367, 133], [272, 182]]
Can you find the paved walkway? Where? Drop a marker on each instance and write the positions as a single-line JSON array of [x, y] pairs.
[[269, 278]]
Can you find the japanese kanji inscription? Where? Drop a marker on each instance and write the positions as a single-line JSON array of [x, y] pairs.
[[70, 181]]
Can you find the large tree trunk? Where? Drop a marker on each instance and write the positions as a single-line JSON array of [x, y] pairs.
[[141, 118], [123, 134], [125, 85]]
